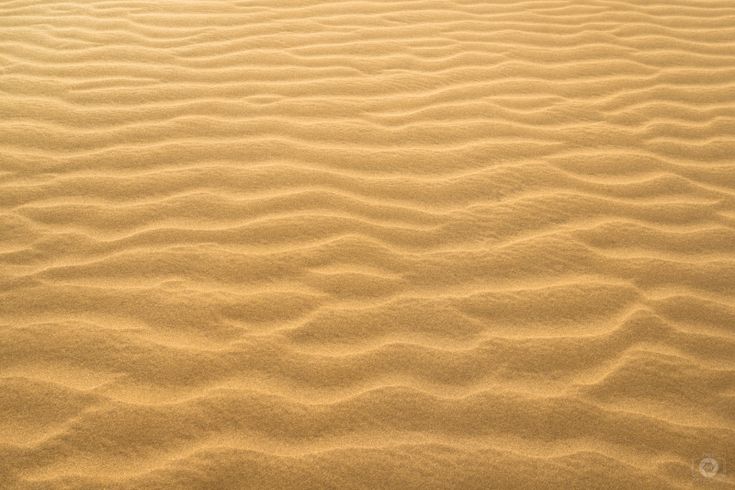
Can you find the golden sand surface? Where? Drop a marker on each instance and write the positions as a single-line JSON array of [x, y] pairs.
[[375, 244]]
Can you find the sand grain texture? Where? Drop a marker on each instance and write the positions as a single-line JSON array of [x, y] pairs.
[[366, 244]]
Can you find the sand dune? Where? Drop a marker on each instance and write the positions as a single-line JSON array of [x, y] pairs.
[[367, 244]]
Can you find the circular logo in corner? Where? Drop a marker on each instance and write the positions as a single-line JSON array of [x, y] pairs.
[[709, 467]]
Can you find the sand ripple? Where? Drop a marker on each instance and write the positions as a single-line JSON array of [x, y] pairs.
[[365, 244]]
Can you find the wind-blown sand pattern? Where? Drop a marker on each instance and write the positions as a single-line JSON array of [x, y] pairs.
[[367, 244]]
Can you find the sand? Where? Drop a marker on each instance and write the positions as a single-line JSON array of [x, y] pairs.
[[367, 244]]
